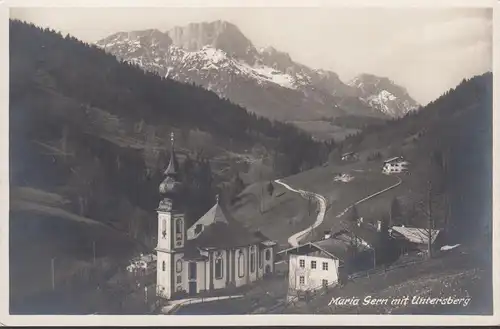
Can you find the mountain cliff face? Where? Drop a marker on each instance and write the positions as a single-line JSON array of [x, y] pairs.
[[384, 95], [218, 57]]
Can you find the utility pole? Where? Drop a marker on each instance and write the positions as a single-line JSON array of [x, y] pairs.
[[429, 214], [374, 258], [52, 272], [93, 250]]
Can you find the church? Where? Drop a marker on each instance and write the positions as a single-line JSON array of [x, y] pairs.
[[216, 252]]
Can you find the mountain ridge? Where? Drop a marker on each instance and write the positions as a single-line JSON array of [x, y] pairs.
[[219, 57]]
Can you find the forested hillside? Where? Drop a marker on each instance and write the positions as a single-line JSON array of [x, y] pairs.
[[90, 138], [92, 128], [449, 141]]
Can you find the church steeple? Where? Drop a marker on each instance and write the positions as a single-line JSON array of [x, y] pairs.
[[173, 165], [170, 186]]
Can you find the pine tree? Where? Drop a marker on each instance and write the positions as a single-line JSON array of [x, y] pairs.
[[395, 215]]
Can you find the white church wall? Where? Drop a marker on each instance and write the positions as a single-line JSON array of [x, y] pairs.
[[163, 274], [240, 267], [269, 262], [180, 273], [201, 280], [253, 274], [221, 281]]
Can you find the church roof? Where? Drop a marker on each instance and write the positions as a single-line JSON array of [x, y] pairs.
[[214, 215], [217, 229], [225, 235]]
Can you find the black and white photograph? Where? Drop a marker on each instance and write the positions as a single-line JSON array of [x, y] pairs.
[[253, 160]]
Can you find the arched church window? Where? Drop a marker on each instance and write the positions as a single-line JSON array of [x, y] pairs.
[[268, 254], [164, 228], [219, 263], [241, 264], [178, 229], [261, 259], [252, 259], [163, 266], [178, 266]]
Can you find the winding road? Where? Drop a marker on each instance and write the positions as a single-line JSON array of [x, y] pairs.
[[295, 238]]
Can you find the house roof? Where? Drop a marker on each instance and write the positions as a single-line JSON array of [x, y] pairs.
[[367, 233], [392, 159], [415, 234], [337, 246]]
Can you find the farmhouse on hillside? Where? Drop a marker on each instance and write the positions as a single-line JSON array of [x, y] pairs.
[[350, 156], [415, 238], [395, 165], [319, 264], [215, 252]]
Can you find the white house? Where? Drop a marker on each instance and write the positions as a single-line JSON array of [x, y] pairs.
[[349, 156], [395, 165], [315, 265], [214, 253]]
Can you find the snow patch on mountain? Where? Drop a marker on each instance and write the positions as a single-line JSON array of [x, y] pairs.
[[267, 74], [217, 56]]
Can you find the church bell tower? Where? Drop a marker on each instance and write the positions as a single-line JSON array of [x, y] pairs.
[[171, 226]]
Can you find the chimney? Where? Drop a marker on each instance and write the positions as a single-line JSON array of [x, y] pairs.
[[379, 226]]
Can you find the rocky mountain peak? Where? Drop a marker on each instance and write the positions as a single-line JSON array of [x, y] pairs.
[[218, 56], [276, 59], [383, 94], [219, 34]]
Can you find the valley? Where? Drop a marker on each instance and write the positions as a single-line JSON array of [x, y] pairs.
[[271, 152]]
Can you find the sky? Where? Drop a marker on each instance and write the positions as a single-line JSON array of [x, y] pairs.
[[426, 50]]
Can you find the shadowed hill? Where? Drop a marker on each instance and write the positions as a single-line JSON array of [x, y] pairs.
[[93, 131], [456, 130]]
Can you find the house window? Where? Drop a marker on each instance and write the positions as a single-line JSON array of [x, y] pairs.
[[268, 254], [325, 266], [218, 266], [178, 229], [325, 283], [163, 266], [313, 264], [178, 266], [252, 259], [302, 263], [302, 280], [241, 264], [179, 279]]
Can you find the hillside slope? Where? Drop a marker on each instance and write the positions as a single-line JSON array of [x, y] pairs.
[[90, 135], [454, 130]]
